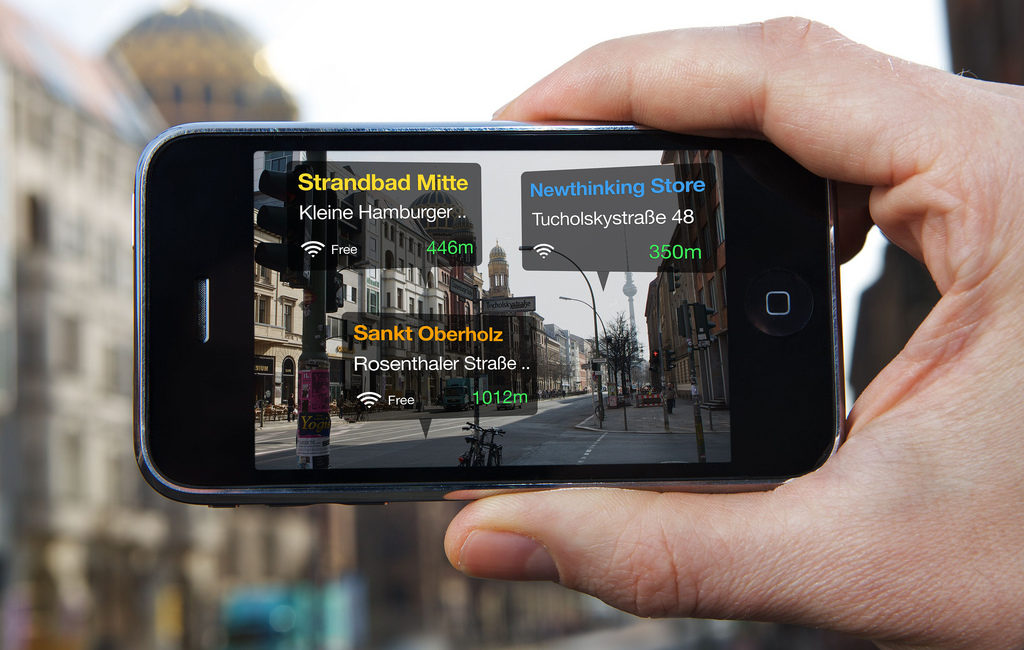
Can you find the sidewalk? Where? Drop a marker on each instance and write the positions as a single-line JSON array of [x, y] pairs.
[[650, 419]]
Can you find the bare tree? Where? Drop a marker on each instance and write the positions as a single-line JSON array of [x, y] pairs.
[[622, 349]]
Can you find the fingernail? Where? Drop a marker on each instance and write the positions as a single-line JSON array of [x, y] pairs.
[[505, 556], [500, 110]]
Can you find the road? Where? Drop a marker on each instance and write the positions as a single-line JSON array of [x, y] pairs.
[[549, 437]]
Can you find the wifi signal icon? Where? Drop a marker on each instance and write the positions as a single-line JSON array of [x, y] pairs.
[[543, 249], [369, 398], [312, 247]]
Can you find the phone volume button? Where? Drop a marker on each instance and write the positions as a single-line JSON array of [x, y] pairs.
[[203, 309]]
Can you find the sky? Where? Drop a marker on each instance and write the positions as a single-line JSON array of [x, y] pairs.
[[460, 61]]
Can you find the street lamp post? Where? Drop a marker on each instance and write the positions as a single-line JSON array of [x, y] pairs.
[[603, 328], [583, 302], [593, 306]]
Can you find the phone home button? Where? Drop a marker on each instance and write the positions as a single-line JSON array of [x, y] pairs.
[[779, 303]]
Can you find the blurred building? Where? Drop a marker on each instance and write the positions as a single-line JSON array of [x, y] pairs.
[[985, 39], [7, 322], [70, 137], [199, 65], [90, 556], [419, 600]]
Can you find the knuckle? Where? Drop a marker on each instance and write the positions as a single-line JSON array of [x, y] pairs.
[[645, 575], [794, 34]]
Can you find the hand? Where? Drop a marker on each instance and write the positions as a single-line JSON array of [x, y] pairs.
[[913, 534]]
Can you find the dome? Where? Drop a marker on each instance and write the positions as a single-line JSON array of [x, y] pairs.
[[198, 65], [438, 199], [454, 227], [497, 253]]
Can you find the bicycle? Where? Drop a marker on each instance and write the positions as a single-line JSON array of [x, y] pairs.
[[482, 451]]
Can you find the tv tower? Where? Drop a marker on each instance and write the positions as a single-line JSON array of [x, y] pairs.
[[629, 289]]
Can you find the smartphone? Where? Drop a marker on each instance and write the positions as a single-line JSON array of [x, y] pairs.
[[366, 313]]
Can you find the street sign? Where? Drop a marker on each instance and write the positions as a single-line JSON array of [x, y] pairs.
[[509, 305], [599, 360], [463, 289]]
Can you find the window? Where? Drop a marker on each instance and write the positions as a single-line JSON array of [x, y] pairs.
[[69, 347], [117, 370], [372, 297], [719, 224], [277, 161], [337, 328], [73, 236], [401, 239], [706, 239], [337, 370], [40, 128], [68, 482], [412, 305], [354, 294], [108, 261], [38, 222], [263, 310], [262, 274], [712, 294], [388, 298], [420, 305], [287, 311], [400, 295]]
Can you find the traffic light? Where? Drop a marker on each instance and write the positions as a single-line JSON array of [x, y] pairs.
[[335, 298], [655, 360], [701, 324], [342, 235], [675, 279], [670, 359], [286, 257], [683, 321], [350, 232]]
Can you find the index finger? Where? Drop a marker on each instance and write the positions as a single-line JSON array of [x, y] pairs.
[[804, 86]]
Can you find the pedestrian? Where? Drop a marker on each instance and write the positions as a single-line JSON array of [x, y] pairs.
[[341, 405], [291, 407], [359, 410], [670, 397]]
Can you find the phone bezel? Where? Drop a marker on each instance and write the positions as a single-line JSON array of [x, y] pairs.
[[168, 472]]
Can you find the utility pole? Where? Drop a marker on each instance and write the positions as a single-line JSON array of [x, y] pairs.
[[313, 436], [698, 423]]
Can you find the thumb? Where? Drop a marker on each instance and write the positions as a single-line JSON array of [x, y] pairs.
[[712, 556]]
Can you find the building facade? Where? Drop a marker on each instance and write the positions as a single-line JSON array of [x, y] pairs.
[[676, 296]]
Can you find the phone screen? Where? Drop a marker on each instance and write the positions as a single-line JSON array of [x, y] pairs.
[[417, 309]]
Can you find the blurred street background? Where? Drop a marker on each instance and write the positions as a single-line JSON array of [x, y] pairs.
[[90, 557]]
